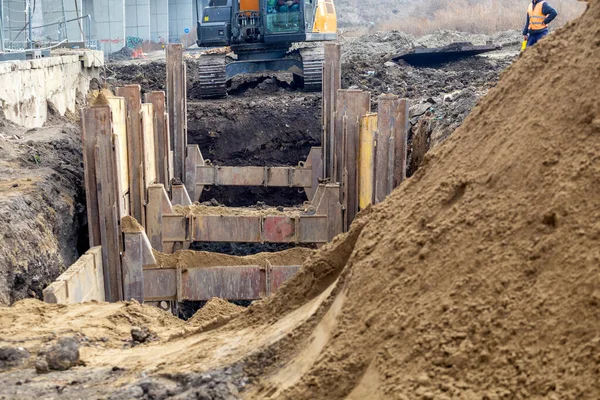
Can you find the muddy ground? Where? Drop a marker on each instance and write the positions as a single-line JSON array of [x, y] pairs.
[[265, 121], [42, 206]]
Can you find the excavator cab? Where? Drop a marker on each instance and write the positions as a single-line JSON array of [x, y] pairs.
[[261, 33]]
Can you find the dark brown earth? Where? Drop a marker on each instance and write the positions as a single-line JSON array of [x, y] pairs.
[[266, 122], [42, 213]]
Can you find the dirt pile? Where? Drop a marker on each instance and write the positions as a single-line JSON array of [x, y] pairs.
[[200, 259], [441, 95], [479, 277], [215, 309]]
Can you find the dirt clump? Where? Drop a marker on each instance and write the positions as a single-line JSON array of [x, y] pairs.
[[130, 225], [215, 308], [59, 357], [142, 334], [12, 357]]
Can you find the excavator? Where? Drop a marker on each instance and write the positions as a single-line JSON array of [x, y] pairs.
[[263, 35]]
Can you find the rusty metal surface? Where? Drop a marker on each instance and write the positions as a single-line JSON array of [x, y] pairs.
[[227, 228], [236, 282], [280, 274], [231, 283], [254, 176], [313, 229], [174, 228], [279, 229], [160, 284]]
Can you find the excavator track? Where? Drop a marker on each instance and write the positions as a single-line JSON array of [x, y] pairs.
[[213, 76], [312, 62]]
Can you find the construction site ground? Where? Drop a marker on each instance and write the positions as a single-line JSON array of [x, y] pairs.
[[479, 277]]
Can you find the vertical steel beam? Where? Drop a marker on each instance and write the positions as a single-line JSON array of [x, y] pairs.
[[29, 28], [136, 255], [401, 143], [391, 144], [177, 105], [158, 205], [350, 108], [161, 140], [366, 163], [97, 128], [89, 129], [1, 26], [135, 146], [332, 82]]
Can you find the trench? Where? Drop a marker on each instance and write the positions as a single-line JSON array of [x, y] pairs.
[[259, 129]]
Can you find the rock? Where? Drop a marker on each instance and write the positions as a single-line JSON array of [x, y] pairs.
[[60, 357], [41, 366], [12, 357], [142, 335], [390, 64]]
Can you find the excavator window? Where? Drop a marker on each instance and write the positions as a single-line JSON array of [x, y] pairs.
[[217, 3]]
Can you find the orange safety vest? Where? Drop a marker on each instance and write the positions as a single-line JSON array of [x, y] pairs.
[[536, 17]]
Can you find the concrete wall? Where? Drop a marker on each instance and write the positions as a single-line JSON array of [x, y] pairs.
[[83, 281], [26, 87], [159, 21], [137, 19], [109, 21], [180, 17]]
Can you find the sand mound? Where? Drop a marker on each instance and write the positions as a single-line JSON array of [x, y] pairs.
[[30, 323], [479, 277], [215, 309]]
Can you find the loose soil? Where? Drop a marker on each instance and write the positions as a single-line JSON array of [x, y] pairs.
[[478, 277], [42, 213], [266, 122], [215, 308]]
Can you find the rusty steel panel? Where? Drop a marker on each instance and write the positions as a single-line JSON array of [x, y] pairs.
[[279, 229], [313, 229], [302, 177], [278, 176], [160, 284], [205, 175], [229, 228], [281, 274], [240, 176], [232, 283], [174, 228], [254, 176]]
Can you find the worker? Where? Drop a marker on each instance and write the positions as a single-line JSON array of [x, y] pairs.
[[289, 5], [539, 15]]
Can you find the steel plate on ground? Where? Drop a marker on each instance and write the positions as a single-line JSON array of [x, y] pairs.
[[232, 283]]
